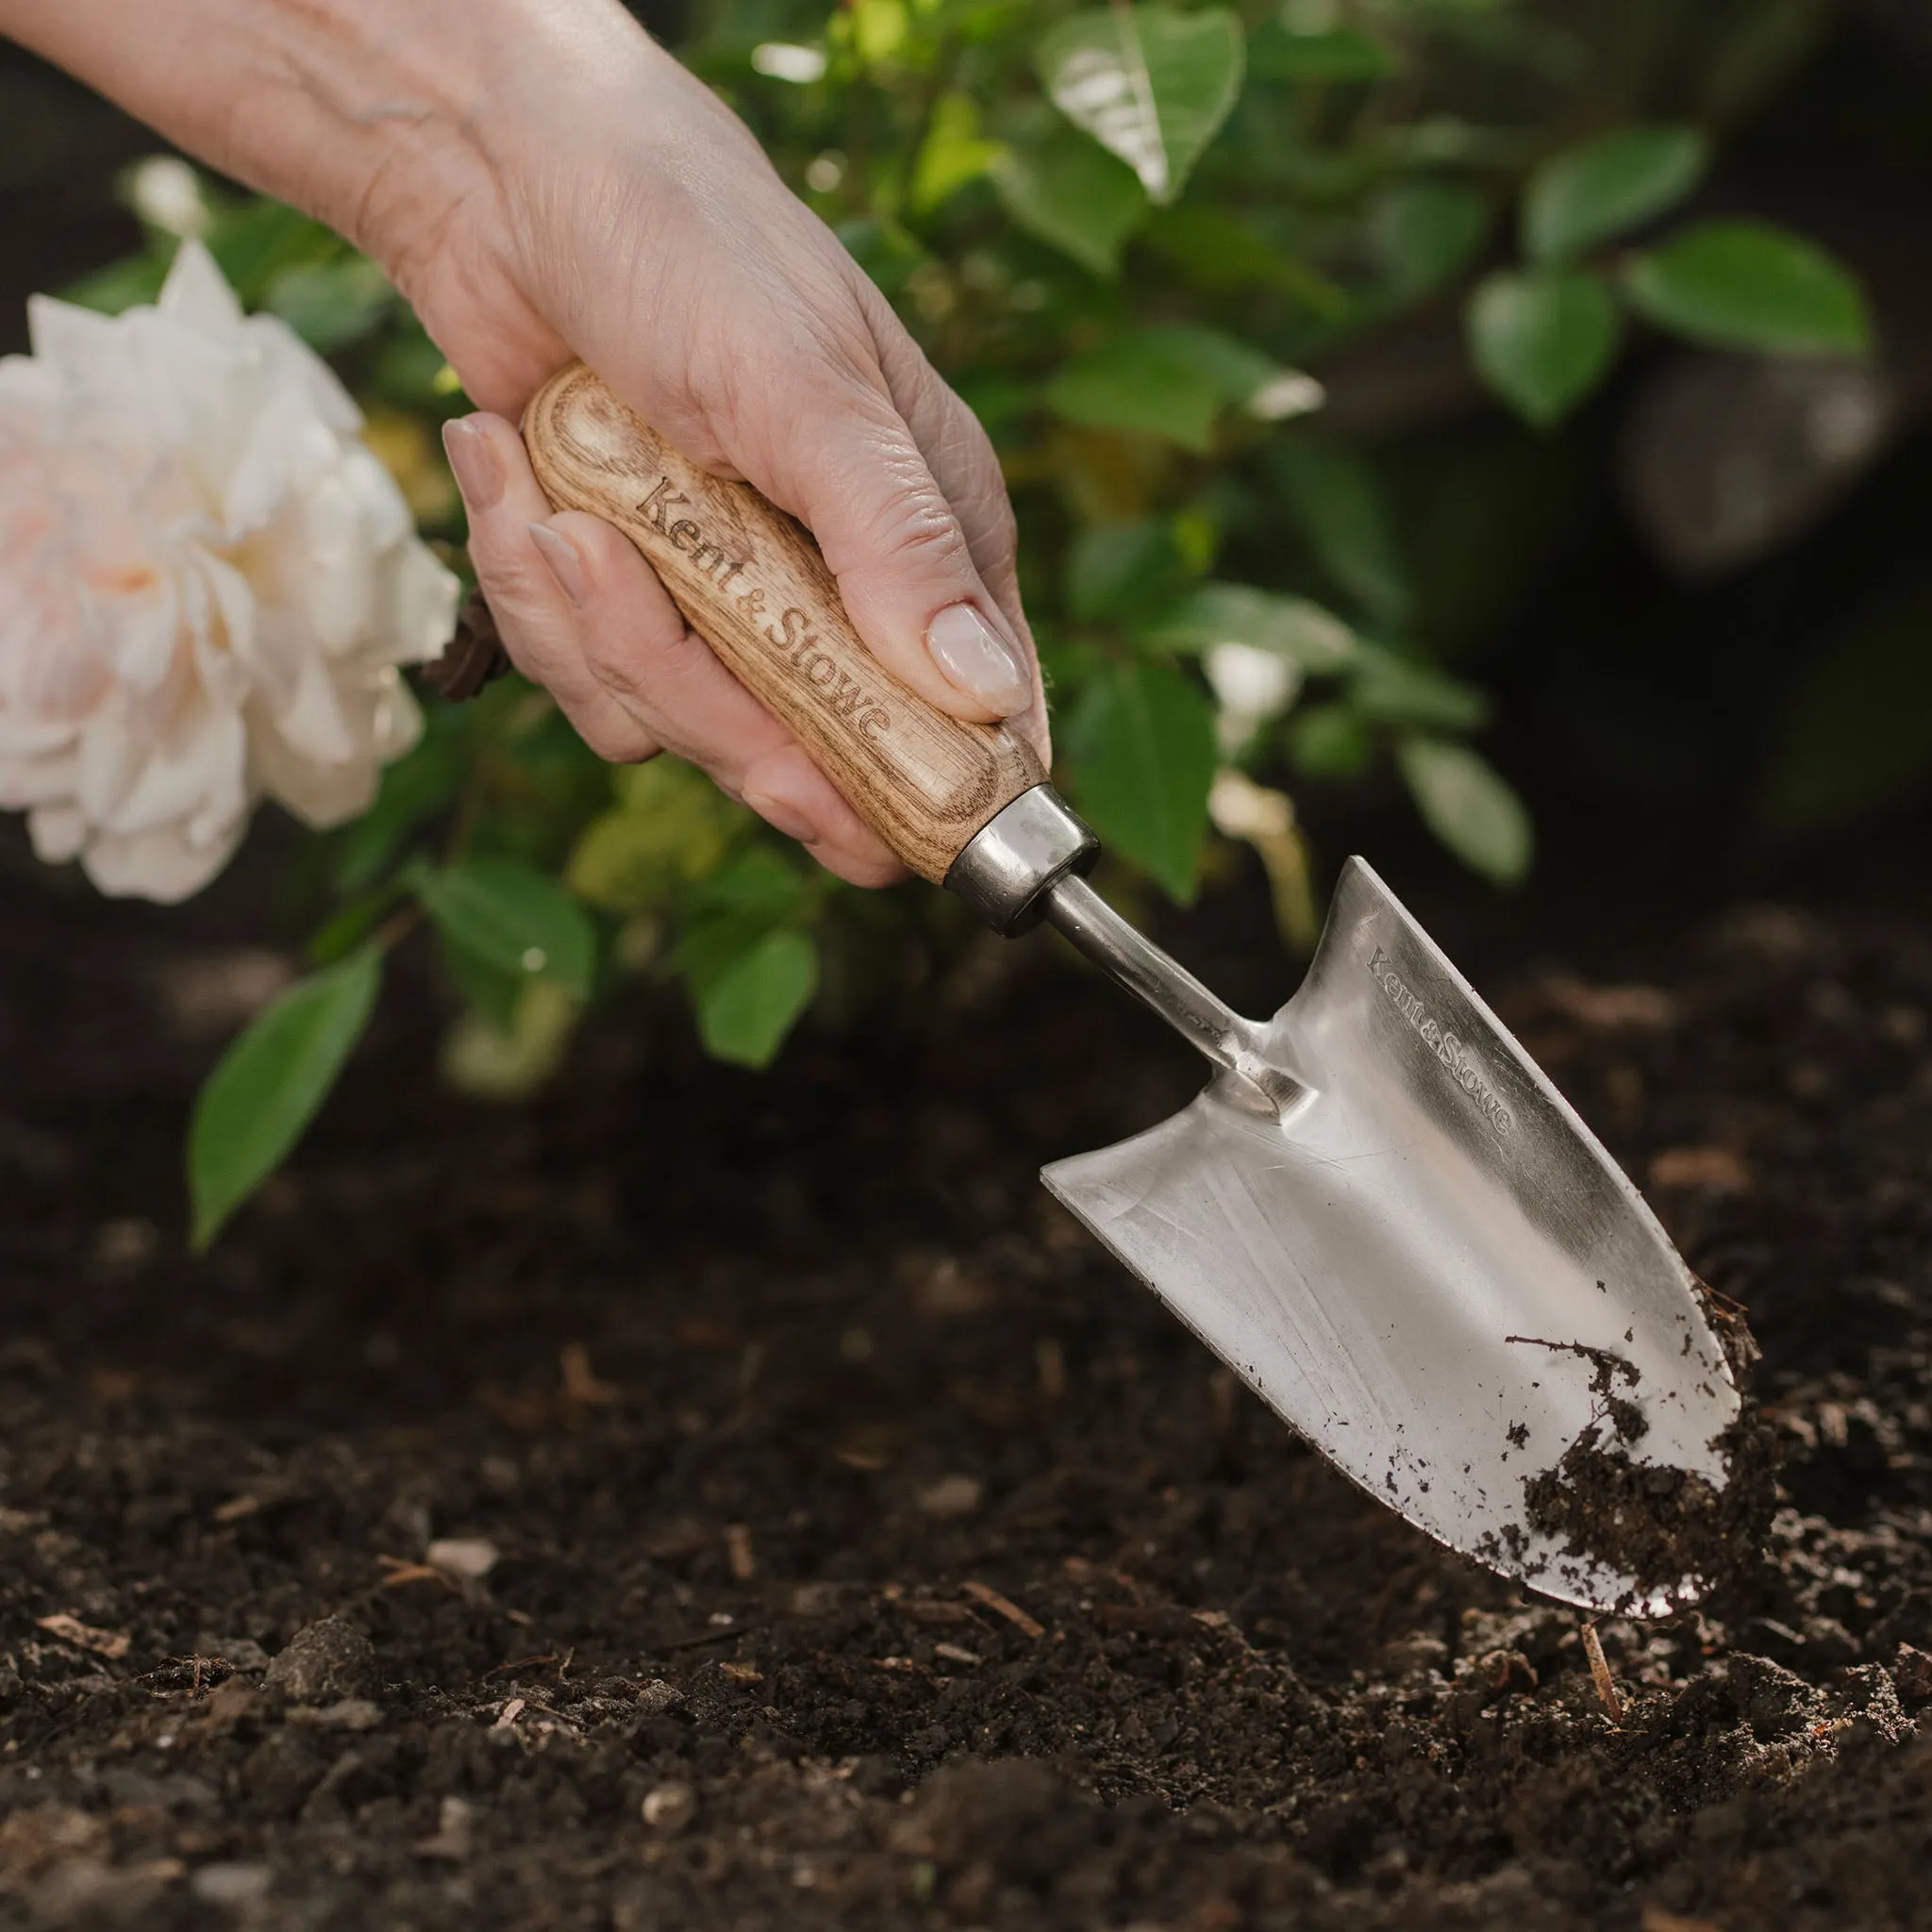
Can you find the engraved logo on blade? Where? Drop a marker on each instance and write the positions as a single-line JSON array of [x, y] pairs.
[[1439, 1040]]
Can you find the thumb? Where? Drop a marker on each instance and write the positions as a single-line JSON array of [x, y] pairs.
[[854, 474]]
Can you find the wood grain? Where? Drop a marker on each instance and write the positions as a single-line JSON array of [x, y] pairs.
[[750, 580]]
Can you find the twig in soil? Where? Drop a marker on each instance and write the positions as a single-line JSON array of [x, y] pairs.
[[1005, 1606], [702, 1637], [523, 1663], [1600, 1674], [738, 1552], [401, 1571]]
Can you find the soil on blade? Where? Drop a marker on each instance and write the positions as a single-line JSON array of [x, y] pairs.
[[700, 1501], [1673, 1532]]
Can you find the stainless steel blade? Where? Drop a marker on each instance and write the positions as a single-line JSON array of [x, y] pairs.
[[1386, 1219]]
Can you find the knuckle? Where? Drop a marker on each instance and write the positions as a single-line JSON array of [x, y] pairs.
[[616, 665], [514, 577]]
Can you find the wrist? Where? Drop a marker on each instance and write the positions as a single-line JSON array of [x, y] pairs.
[[382, 118]]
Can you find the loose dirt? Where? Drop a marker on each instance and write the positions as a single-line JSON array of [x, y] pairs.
[[701, 1501]]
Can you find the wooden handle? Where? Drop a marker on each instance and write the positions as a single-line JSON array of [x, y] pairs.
[[751, 582]]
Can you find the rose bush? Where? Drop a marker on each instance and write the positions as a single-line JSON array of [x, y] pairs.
[[206, 586], [1126, 235]]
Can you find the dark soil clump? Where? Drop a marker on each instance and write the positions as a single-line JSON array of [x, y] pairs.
[[694, 1500], [1674, 1531]]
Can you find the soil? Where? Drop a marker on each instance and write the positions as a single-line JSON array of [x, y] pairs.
[[1676, 1535], [698, 1500]]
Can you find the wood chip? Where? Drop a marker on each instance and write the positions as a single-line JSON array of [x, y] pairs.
[[107, 1643], [958, 1654], [507, 1717], [237, 1507], [1713, 1170], [1600, 1674], [580, 1384], [925, 1609], [470, 1558], [951, 1495], [738, 1552], [742, 1673], [1004, 1606]]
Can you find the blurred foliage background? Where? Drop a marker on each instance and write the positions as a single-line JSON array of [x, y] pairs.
[[1510, 409]]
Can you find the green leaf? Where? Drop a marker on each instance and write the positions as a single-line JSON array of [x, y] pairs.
[[268, 1086], [1221, 253], [1425, 233], [748, 1006], [332, 304], [1149, 83], [1335, 498], [1392, 690], [1293, 627], [1334, 55], [1856, 721], [1170, 382], [129, 283], [415, 788], [488, 990], [253, 238], [1074, 196], [670, 827], [952, 153], [754, 893], [1114, 569], [1542, 338], [879, 28], [1465, 802], [512, 918], [1328, 742], [1607, 186], [1144, 742], [1747, 285]]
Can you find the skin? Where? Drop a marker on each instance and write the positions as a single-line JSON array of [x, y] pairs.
[[541, 181]]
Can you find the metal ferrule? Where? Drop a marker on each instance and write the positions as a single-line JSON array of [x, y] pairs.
[[1005, 869]]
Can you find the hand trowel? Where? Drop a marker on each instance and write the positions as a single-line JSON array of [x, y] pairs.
[[1380, 1213]]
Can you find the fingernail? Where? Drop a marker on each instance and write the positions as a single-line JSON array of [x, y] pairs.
[[478, 466], [560, 554], [974, 656], [782, 815]]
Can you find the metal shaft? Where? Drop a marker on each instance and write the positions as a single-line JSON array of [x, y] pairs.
[[1206, 1023]]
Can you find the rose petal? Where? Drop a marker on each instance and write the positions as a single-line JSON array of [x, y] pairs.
[[58, 832], [162, 864], [196, 292]]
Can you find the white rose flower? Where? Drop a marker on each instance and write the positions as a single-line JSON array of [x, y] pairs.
[[206, 584]]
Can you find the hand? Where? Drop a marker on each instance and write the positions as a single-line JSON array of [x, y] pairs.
[[541, 181], [632, 220]]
